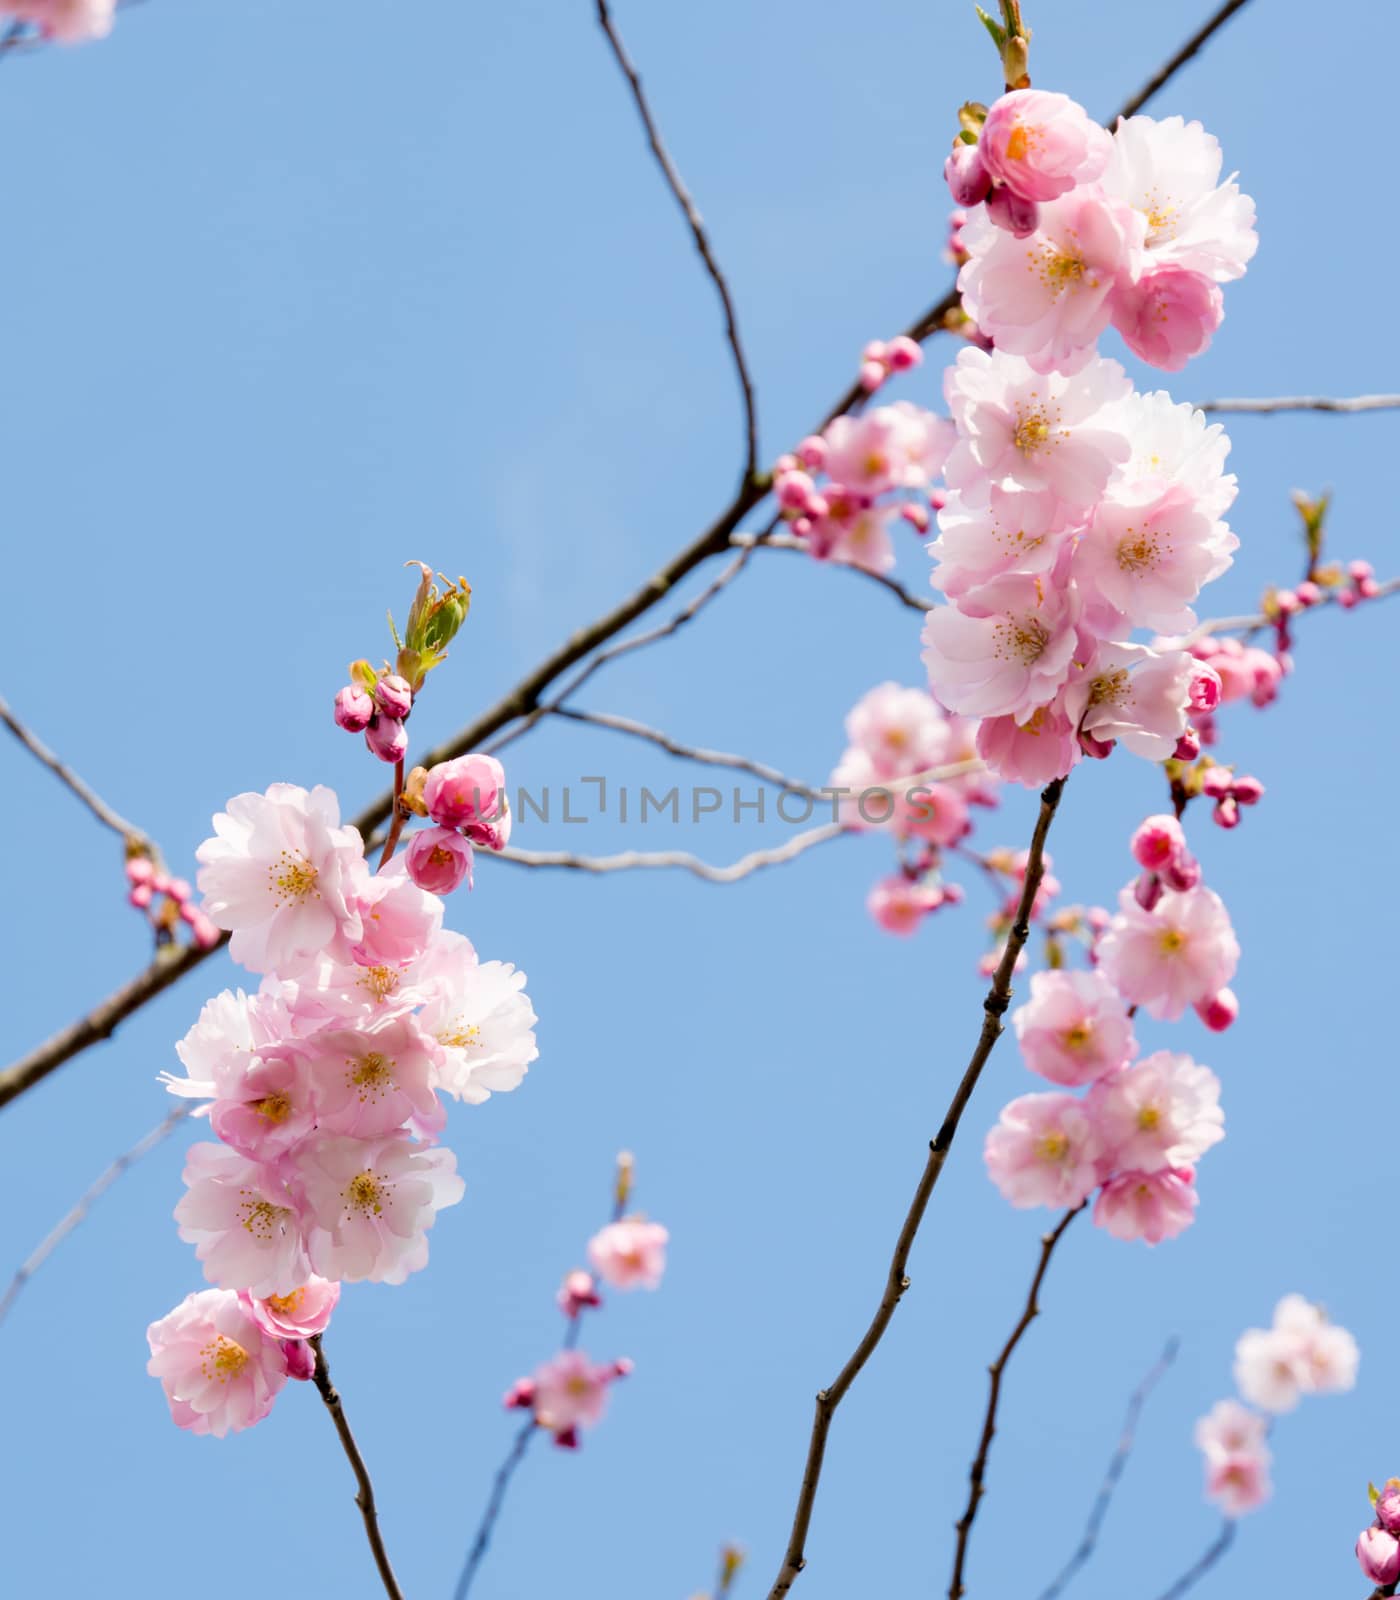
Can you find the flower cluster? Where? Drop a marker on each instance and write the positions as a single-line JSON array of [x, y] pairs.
[[882, 358], [65, 21], [841, 490], [323, 1090], [901, 739], [1378, 1548], [570, 1390], [1302, 1353], [376, 705], [1071, 229], [165, 901], [1139, 1131]]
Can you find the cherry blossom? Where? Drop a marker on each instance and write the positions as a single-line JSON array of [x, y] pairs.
[[1134, 695], [219, 1371], [1147, 1205], [299, 1314], [1163, 1111], [1041, 145], [438, 859], [1043, 1151], [1031, 750], [468, 793], [630, 1253], [243, 1221], [1074, 1029], [369, 1081], [1182, 951], [479, 1019], [569, 1392]]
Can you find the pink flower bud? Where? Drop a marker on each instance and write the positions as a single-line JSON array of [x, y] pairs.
[[160, 883], [206, 935], [916, 515], [301, 1363], [1388, 1508], [903, 353], [1158, 841], [1147, 891], [387, 738], [567, 1439], [520, 1396], [623, 1367], [1217, 782], [438, 859], [353, 708], [140, 895], [937, 498], [872, 375], [968, 180], [812, 452], [1379, 1555], [785, 463], [1248, 791], [1286, 602], [179, 890], [469, 793], [140, 869], [1188, 746], [874, 351], [1226, 813], [1308, 593], [1358, 571], [1095, 749], [1347, 598], [802, 526], [1219, 1011], [1367, 588], [795, 489], [394, 696], [1020, 218], [1204, 693], [577, 1291], [952, 894], [1182, 873]]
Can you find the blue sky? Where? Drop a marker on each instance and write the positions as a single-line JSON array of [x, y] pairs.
[[291, 302]]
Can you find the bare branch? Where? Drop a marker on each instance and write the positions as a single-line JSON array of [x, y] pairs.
[[1258, 621], [482, 1542], [105, 814], [56, 1235], [697, 228], [1193, 1575], [1117, 1463], [783, 541], [1170, 68], [364, 1489], [629, 859], [687, 752], [896, 1282], [978, 1472], [1304, 402]]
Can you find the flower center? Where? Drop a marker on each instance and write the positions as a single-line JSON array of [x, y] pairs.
[[291, 878], [1140, 550], [1171, 941], [261, 1218], [1020, 142], [378, 982], [1148, 1118], [1079, 1037], [1109, 688], [1032, 431], [222, 1358], [460, 1035], [578, 1385], [274, 1107], [372, 1075], [1021, 639], [1161, 213], [285, 1305], [365, 1194], [1052, 1147]]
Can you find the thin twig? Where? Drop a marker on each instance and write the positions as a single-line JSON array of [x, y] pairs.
[[1257, 621], [56, 1235], [104, 813], [692, 216], [481, 1543], [627, 860], [1193, 1575], [1117, 1463], [364, 1489], [1170, 68], [788, 542], [397, 813], [978, 1472], [896, 1282], [1304, 402], [687, 752]]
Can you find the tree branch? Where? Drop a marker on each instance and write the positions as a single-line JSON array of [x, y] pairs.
[[56, 1235], [896, 1282], [629, 859], [1193, 1575], [482, 1542], [1117, 1463], [1170, 68], [784, 541], [104, 813], [1304, 402], [687, 205], [978, 1471], [364, 1489]]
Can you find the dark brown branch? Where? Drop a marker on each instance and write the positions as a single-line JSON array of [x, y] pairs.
[[1193, 1575], [364, 1489], [692, 216], [104, 813], [56, 1235], [1169, 69], [977, 1474], [896, 1282], [1119, 1461]]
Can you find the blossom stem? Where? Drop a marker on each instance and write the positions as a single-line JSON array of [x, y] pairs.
[[1193, 1575], [978, 1472], [364, 1492], [994, 1008], [481, 1543], [396, 823]]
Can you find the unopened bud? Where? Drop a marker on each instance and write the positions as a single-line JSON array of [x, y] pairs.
[[353, 709], [1020, 218], [394, 696], [968, 180], [387, 738], [1219, 1011]]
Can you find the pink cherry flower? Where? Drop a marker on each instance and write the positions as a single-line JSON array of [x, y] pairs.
[[853, 533], [1166, 959], [399, 919], [1074, 1029], [898, 446], [1146, 562], [1147, 1205], [1029, 751], [1164, 1111], [468, 793], [1378, 1553], [577, 1292], [1302, 1353], [1168, 316], [271, 1108], [899, 904], [1016, 530], [479, 1019], [223, 1044], [243, 1221], [370, 1081], [1239, 1483], [438, 859], [1041, 145], [284, 877], [1019, 429], [65, 21], [1131, 694], [630, 1253], [901, 730], [1043, 1151], [1168, 171], [1229, 1428], [300, 1314], [1173, 445], [935, 812], [218, 1370], [570, 1391], [1048, 297], [1005, 650], [371, 1204]]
